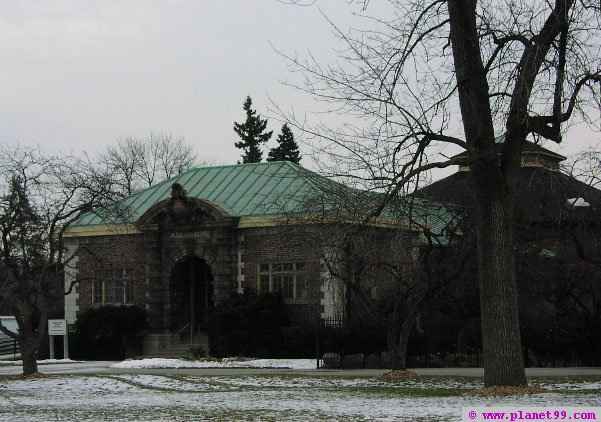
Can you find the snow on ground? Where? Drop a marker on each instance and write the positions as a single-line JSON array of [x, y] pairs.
[[301, 364], [137, 397], [40, 362]]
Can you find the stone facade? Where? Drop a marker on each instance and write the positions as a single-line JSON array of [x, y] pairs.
[[185, 255], [151, 256], [233, 256]]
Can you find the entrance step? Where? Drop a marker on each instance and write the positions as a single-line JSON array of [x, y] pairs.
[[175, 348]]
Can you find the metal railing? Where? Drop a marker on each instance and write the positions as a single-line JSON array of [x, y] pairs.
[[348, 337], [178, 333], [8, 347]]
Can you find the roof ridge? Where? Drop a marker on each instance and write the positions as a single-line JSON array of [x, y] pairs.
[[305, 173], [195, 169], [262, 163]]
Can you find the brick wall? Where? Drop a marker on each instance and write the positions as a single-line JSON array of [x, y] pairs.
[[281, 245], [234, 257], [151, 256], [304, 244], [107, 252]]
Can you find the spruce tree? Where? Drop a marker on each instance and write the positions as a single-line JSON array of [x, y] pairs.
[[252, 134], [287, 149]]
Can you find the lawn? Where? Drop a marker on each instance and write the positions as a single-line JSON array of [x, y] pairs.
[[265, 398]]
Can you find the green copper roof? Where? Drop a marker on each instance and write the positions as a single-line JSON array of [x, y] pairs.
[[242, 190], [262, 189]]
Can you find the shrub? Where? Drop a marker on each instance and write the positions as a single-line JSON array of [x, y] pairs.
[[196, 353], [108, 332], [247, 325], [299, 341]]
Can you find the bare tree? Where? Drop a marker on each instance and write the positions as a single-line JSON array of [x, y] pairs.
[[41, 195], [139, 163], [586, 167], [385, 270], [390, 290], [461, 74]]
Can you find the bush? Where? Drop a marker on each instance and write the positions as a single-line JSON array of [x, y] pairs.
[[196, 353], [108, 332], [247, 325], [299, 341]]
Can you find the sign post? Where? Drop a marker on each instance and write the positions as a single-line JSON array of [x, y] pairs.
[[58, 327]]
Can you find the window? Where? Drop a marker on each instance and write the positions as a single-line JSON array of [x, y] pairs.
[[113, 287], [288, 278], [380, 280]]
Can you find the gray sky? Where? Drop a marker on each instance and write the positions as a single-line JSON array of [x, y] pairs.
[[80, 74], [77, 75]]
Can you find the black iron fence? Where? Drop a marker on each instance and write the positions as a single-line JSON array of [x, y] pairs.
[[559, 348], [343, 342]]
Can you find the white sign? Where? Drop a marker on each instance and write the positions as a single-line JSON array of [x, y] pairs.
[[57, 327]]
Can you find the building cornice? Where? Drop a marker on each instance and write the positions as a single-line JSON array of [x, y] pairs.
[[243, 223]]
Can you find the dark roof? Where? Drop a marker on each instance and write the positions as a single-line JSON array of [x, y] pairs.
[[529, 147], [542, 195], [532, 147]]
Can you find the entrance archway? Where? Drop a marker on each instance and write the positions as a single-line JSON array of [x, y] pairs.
[[192, 288]]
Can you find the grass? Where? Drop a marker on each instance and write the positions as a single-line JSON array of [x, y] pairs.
[[265, 398]]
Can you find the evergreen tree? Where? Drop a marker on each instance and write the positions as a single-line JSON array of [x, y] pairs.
[[252, 134], [287, 149]]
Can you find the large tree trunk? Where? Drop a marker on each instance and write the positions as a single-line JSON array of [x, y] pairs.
[[397, 339], [397, 356], [28, 355], [31, 332], [503, 362]]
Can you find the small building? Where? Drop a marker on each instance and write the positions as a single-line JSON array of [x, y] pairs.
[[180, 247]]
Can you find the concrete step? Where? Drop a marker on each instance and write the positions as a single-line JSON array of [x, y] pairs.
[[177, 347], [177, 350]]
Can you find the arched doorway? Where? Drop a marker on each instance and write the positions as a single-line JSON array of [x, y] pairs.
[[192, 290]]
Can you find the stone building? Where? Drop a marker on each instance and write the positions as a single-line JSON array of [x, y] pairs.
[[186, 244]]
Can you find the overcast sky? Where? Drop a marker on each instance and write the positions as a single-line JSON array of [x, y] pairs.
[[77, 75]]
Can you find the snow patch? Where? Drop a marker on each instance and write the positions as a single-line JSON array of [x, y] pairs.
[[42, 361], [299, 364]]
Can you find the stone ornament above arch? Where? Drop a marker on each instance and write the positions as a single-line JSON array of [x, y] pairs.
[[175, 254], [181, 209]]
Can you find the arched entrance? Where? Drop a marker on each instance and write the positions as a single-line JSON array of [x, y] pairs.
[[192, 290]]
